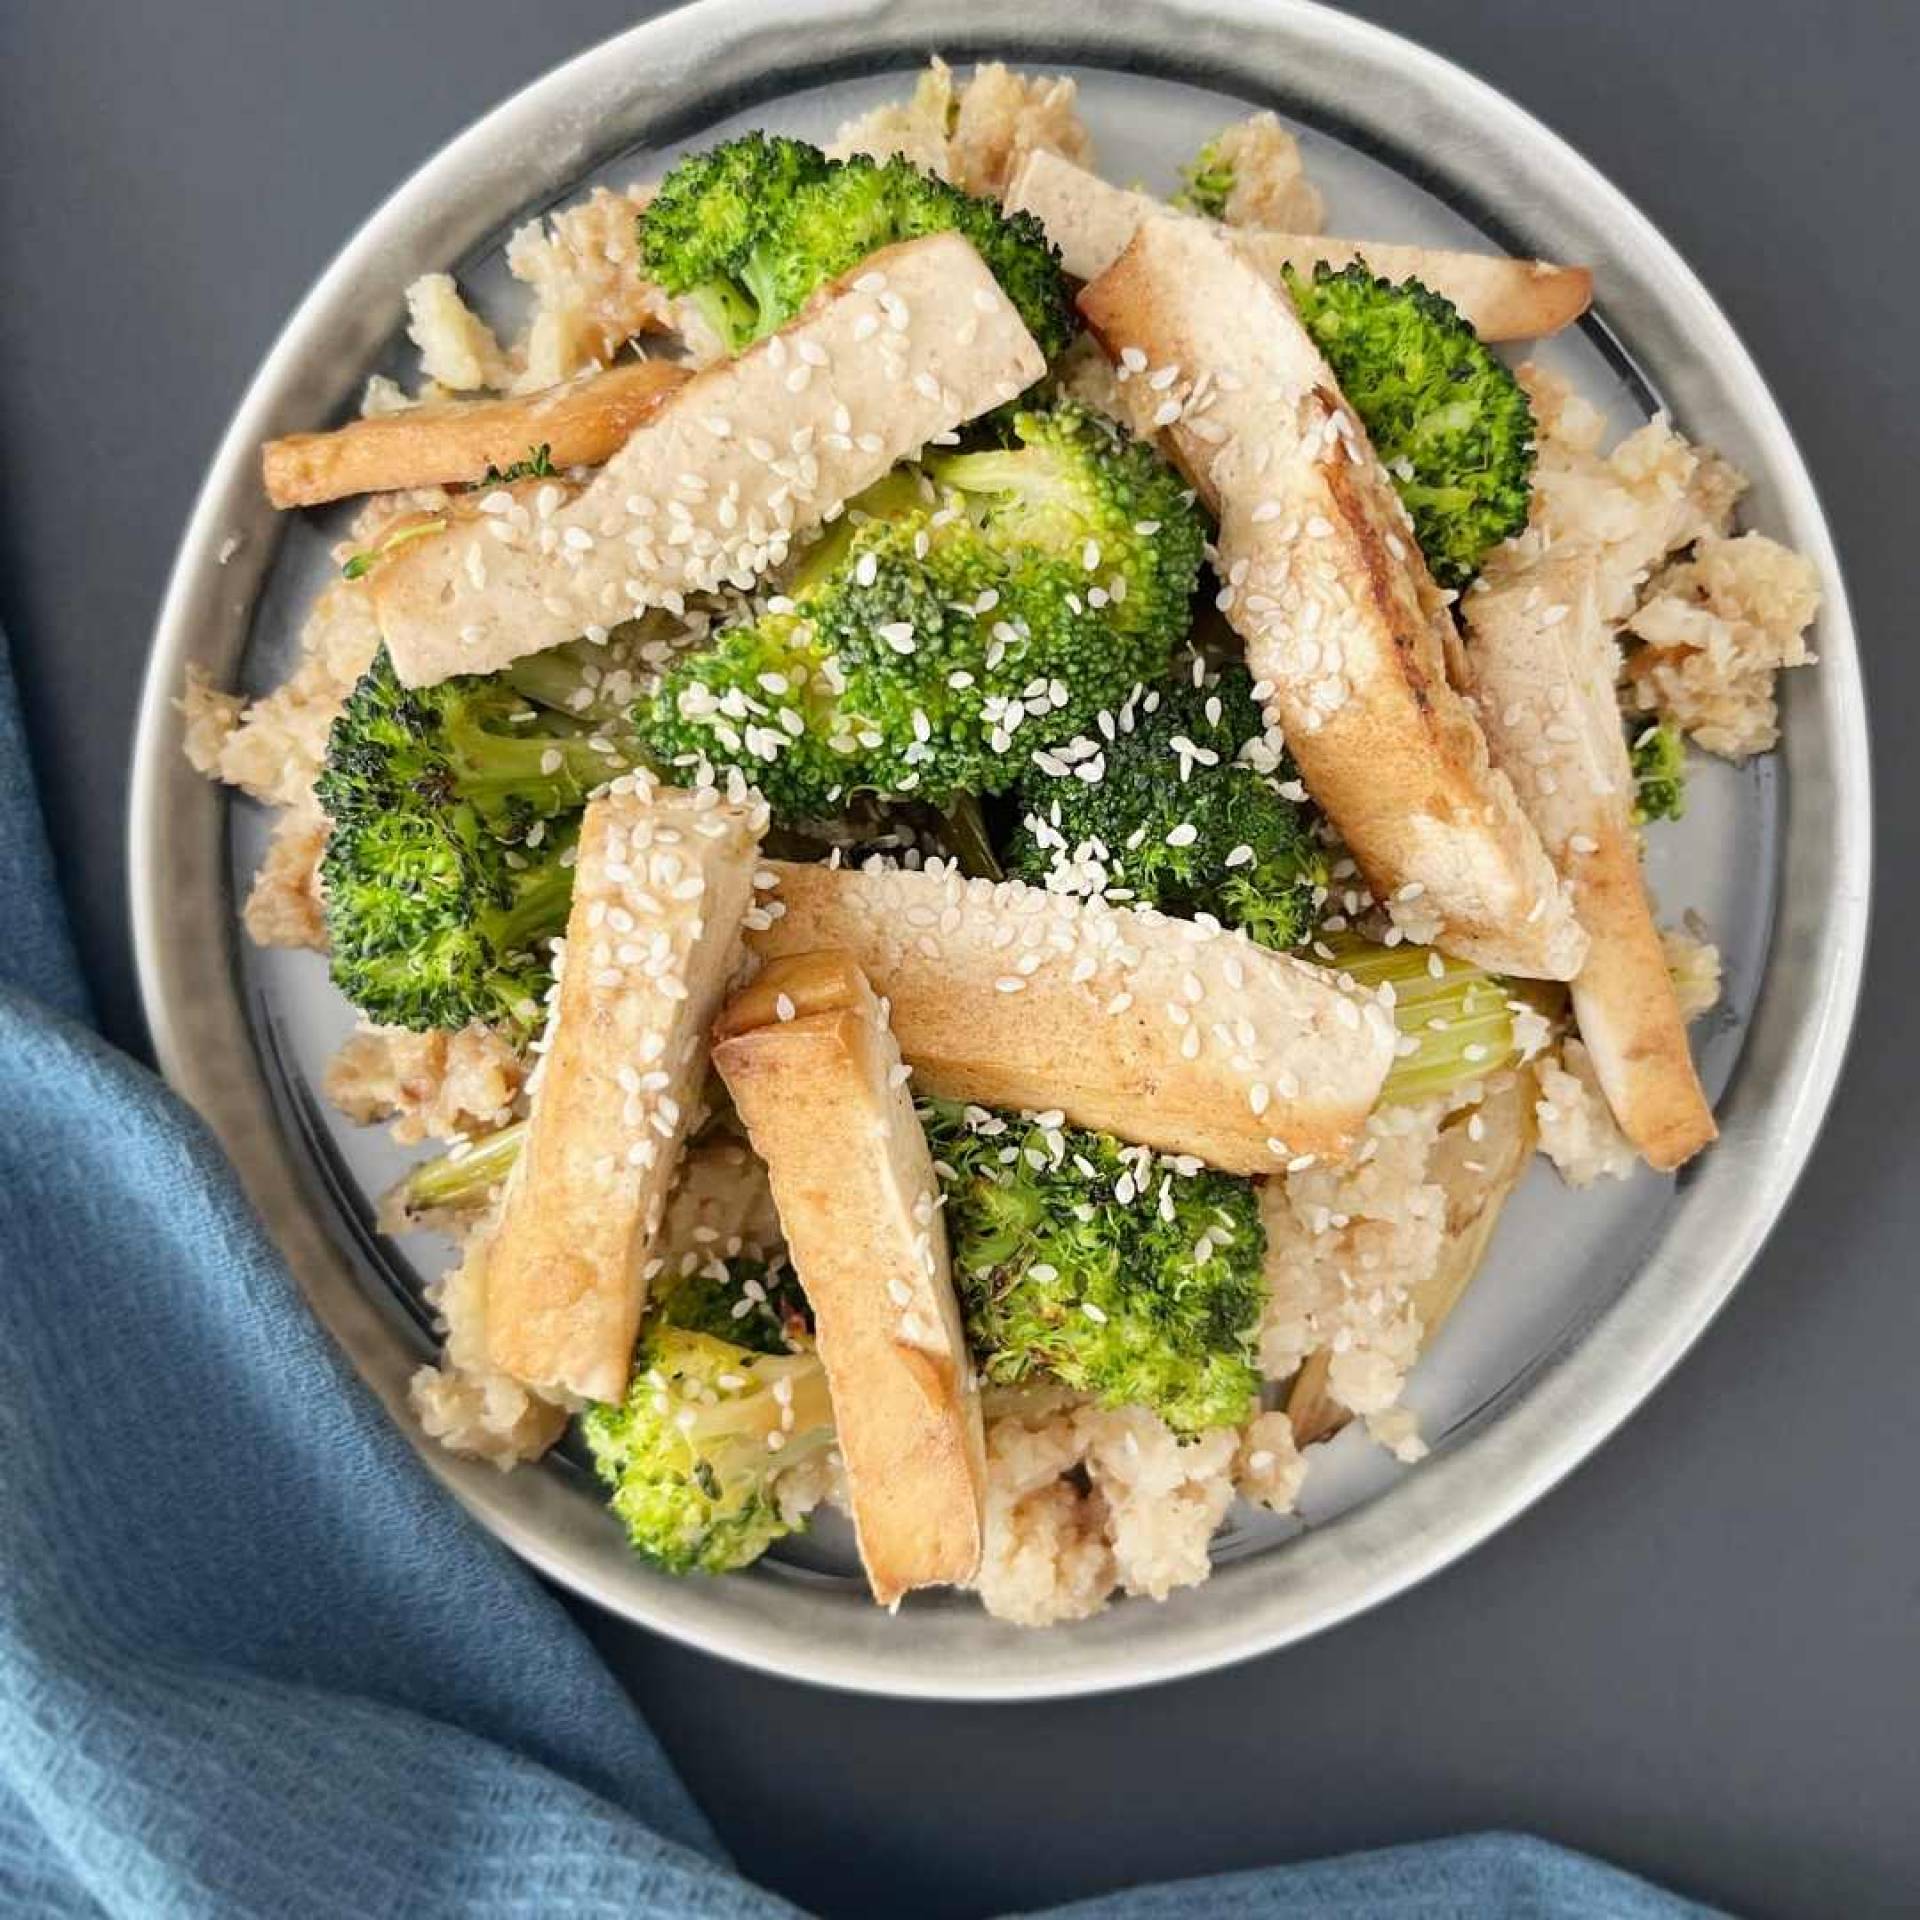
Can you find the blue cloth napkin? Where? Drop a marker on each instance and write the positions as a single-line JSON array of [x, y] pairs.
[[252, 1659]]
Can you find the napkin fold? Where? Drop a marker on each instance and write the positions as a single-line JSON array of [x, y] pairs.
[[253, 1659]]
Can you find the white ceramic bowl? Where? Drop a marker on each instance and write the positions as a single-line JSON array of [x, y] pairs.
[[1588, 1299]]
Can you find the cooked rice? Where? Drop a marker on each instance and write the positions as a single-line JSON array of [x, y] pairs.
[[457, 347], [1270, 184], [590, 296], [430, 1086], [1653, 494], [1578, 1132], [286, 907], [975, 133], [1716, 630]]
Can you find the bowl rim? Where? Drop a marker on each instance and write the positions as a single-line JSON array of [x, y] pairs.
[[547, 135]]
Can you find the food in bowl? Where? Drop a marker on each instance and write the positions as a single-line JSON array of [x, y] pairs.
[[990, 818]]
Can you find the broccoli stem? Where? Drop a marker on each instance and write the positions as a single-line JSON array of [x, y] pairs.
[[461, 1179], [965, 828], [525, 775], [1456, 1024], [538, 911]]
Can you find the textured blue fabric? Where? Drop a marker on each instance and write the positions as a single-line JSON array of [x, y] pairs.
[[252, 1659]]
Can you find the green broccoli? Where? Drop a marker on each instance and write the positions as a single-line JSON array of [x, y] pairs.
[[747, 231], [1206, 182], [448, 869], [1181, 804], [1659, 774], [694, 1456], [1457, 1022], [999, 597], [1100, 1267], [475, 741], [432, 922], [455, 1184], [753, 1303], [1447, 417]]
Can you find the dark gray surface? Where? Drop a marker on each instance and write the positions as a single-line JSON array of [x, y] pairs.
[[1700, 1657]]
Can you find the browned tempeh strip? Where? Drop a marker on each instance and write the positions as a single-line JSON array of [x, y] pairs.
[[825, 1102], [582, 423], [1543, 664], [1326, 584], [664, 880], [1090, 221], [1162, 1031]]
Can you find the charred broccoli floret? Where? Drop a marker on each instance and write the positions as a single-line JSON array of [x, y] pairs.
[[994, 599], [1445, 414], [1088, 1264], [1659, 774], [694, 1456], [433, 922], [748, 230], [475, 741], [1178, 801], [447, 872]]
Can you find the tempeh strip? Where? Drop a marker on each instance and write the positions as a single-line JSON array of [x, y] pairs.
[[736, 465], [664, 881], [581, 423], [1168, 1033], [825, 1101]]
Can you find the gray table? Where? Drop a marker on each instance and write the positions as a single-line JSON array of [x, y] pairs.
[[1698, 1658]]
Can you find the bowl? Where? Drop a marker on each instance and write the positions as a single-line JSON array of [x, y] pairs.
[[1587, 1300]]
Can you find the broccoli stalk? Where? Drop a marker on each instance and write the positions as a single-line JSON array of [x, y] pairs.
[[1659, 774], [747, 231], [458, 1181], [1456, 1021], [1189, 811], [1100, 1267], [998, 600], [694, 1456], [1446, 416]]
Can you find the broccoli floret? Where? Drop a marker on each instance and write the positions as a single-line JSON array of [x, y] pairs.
[[694, 1455], [1659, 774], [748, 230], [474, 740], [998, 600], [1447, 417], [1190, 812], [1206, 183], [753, 1303], [446, 872], [433, 922], [1100, 1267]]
